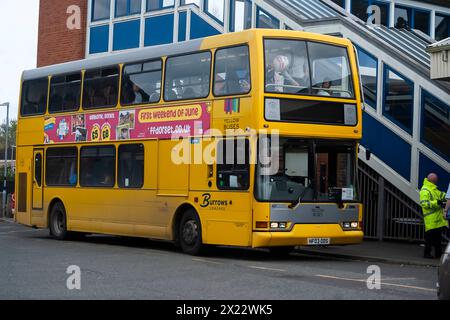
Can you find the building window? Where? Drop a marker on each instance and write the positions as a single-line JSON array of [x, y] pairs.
[[232, 71], [101, 9], [216, 9], [398, 99], [340, 3], [34, 97], [127, 7], [97, 166], [421, 21], [265, 20], [233, 169], [435, 126], [61, 167], [188, 77], [141, 83], [65, 92], [126, 35], [359, 9], [368, 68], [186, 2], [240, 15], [402, 17], [153, 27], [100, 89], [442, 27], [153, 5], [131, 166], [99, 39]]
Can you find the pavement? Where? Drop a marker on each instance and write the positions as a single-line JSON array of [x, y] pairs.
[[377, 251]]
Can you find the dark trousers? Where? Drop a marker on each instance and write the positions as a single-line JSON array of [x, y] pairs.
[[433, 238]]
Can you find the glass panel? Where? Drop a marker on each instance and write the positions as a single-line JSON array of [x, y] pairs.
[[359, 8], [339, 3], [188, 76], [265, 20], [368, 68], [330, 70], [127, 7], [61, 167], [185, 2], [300, 170], [436, 125], [101, 9], [34, 97], [232, 71], [422, 21], [101, 88], [402, 18], [97, 166], [241, 15], [141, 83], [38, 169], [65, 92], [131, 166], [215, 8], [335, 173], [398, 99], [287, 69], [442, 27], [233, 169], [159, 4]]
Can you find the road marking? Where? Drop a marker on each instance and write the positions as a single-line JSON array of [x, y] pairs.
[[382, 283], [267, 269], [207, 261]]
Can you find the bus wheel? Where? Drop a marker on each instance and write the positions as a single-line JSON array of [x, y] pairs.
[[58, 225], [281, 251], [190, 233]]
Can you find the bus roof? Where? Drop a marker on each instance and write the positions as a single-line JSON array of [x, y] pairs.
[[142, 54]]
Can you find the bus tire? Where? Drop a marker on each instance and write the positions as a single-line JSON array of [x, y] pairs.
[[281, 251], [58, 222], [190, 233]]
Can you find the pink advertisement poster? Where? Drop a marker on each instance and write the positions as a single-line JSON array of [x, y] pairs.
[[130, 124]]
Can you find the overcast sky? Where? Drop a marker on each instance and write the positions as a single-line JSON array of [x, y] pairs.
[[18, 48]]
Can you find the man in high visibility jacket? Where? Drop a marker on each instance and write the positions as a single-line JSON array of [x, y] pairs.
[[432, 201]]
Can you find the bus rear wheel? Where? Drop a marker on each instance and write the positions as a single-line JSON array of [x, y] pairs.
[[58, 222], [190, 233]]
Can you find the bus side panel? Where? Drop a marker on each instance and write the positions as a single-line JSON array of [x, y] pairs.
[[23, 185]]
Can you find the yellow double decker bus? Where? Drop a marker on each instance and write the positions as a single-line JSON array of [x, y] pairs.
[[243, 139]]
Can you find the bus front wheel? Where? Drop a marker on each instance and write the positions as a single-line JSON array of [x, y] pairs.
[[190, 233], [58, 222]]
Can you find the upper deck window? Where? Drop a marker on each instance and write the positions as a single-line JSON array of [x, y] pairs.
[[307, 68], [141, 83], [34, 97], [188, 77], [65, 93], [232, 71], [101, 88]]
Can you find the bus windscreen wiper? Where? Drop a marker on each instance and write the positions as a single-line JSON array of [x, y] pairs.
[[300, 199]]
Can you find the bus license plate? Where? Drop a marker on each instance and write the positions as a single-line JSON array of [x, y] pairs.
[[318, 241]]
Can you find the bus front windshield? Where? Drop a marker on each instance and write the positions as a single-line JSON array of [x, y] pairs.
[[307, 68], [300, 170]]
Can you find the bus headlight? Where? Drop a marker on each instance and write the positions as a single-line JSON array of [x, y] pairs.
[[278, 225], [350, 225]]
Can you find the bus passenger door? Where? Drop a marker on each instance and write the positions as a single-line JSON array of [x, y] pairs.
[[37, 189]]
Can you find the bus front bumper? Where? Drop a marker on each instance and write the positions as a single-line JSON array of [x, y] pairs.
[[300, 234]]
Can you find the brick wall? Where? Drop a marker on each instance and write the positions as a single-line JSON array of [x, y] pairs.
[[56, 43]]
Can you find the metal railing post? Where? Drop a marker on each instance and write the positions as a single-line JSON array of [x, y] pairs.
[[381, 209]]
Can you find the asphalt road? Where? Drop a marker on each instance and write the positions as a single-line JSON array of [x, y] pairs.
[[33, 266]]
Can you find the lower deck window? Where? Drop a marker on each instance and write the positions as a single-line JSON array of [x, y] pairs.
[[97, 166], [233, 164], [62, 166]]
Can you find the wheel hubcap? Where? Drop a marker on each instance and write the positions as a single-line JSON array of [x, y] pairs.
[[190, 232]]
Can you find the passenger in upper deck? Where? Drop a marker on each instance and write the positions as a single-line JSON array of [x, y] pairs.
[[278, 77]]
